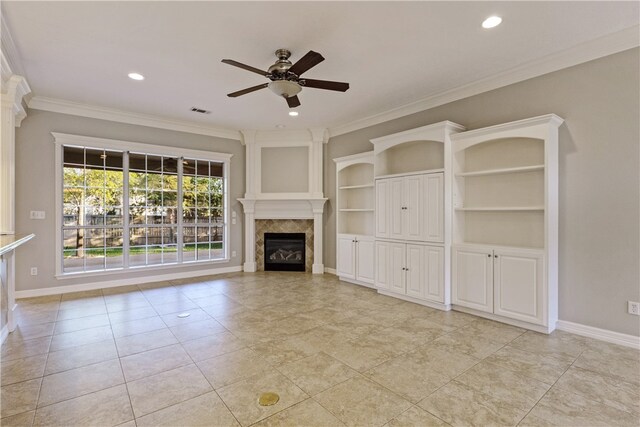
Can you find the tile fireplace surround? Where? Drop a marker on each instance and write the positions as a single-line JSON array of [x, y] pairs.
[[284, 226]]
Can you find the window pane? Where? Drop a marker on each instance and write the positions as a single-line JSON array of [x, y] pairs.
[[113, 215], [217, 250], [169, 254], [137, 255], [188, 215], [137, 236], [189, 252]]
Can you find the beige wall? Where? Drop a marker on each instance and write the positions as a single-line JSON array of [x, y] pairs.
[[599, 177], [35, 168], [285, 169]]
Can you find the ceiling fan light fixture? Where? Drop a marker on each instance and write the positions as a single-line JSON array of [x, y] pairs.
[[285, 88], [293, 113]]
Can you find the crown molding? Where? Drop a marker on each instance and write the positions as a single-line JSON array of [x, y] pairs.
[[114, 115], [584, 52], [9, 50]]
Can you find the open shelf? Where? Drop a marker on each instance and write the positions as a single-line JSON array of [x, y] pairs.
[[501, 208], [421, 172], [355, 187], [501, 171]]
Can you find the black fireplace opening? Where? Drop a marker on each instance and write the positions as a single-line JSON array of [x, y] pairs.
[[284, 252]]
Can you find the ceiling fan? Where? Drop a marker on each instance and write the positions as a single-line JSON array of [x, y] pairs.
[[285, 77]]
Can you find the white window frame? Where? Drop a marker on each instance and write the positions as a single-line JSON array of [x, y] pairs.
[[62, 139]]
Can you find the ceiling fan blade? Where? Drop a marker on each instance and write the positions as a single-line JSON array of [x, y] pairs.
[[310, 60], [293, 101], [245, 67], [247, 90], [324, 84]]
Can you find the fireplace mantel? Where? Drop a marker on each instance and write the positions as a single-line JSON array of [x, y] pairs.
[[282, 208], [302, 148]]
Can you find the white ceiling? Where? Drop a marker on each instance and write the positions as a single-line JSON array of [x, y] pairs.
[[392, 53]]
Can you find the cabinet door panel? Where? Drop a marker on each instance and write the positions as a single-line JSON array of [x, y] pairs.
[[396, 213], [382, 208], [434, 274], [473, 278], [415, 271], [364, 260], [346, 257], [413, 203], [518, 285], [382, 265], [396, 267], [434, 207]]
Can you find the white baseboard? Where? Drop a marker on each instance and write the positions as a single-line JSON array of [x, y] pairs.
[[436, 305], [357, 282], [331, 271], [513, 322], [599, 334], [123, 282], [4, 334]]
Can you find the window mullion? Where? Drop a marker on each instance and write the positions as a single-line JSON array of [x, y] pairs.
[[125, 209], [179, 219]]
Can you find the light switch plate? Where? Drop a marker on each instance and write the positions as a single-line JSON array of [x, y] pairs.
[[37, 215]]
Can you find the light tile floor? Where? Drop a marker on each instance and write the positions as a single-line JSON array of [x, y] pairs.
[[337, 354]]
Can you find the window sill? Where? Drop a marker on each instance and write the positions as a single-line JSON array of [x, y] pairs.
[[66, 276]]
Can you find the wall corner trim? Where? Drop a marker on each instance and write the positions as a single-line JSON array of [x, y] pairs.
[[330, 271], [599, 334]]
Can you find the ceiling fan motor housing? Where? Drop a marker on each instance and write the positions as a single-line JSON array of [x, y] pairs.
[[282, 65]]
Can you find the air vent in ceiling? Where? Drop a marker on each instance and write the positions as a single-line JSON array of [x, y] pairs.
[[200, 110]]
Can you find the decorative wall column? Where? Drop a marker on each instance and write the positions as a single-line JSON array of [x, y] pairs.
[[317, 206], [13, 112], [250, 265]]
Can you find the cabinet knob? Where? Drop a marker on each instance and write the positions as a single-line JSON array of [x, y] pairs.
[[495, 256], [489, 255]]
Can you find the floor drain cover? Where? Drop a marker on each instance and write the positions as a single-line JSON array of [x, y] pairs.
[[268, 399], [181, 315]]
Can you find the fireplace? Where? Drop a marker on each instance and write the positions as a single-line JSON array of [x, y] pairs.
[[284, 252]]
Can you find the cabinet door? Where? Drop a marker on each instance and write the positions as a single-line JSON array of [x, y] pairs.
[[395, 208], [415, 271], [396, 267], [364, 259], [382, 265], [346, 256], [472, 278], [382, 208], [519, 285], [434, 274], [433, 207], [413, 203]]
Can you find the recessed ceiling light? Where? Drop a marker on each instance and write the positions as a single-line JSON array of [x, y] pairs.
[[136, 76], [293, 113], [492, 21]]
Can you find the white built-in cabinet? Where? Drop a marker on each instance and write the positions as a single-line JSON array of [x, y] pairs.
[[355, 218], [457, 219], [413, 215], [411, 207], [355, 258], [505, 227], [414, 270]]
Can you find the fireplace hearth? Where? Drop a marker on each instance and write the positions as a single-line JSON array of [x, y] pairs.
[[284, 252]]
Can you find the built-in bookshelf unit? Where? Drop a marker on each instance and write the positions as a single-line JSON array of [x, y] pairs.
[[505, 220], [413, 214], [355, 218]]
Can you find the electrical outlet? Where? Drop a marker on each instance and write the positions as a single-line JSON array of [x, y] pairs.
[[233, 254], [34, 271], [634, 307]]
